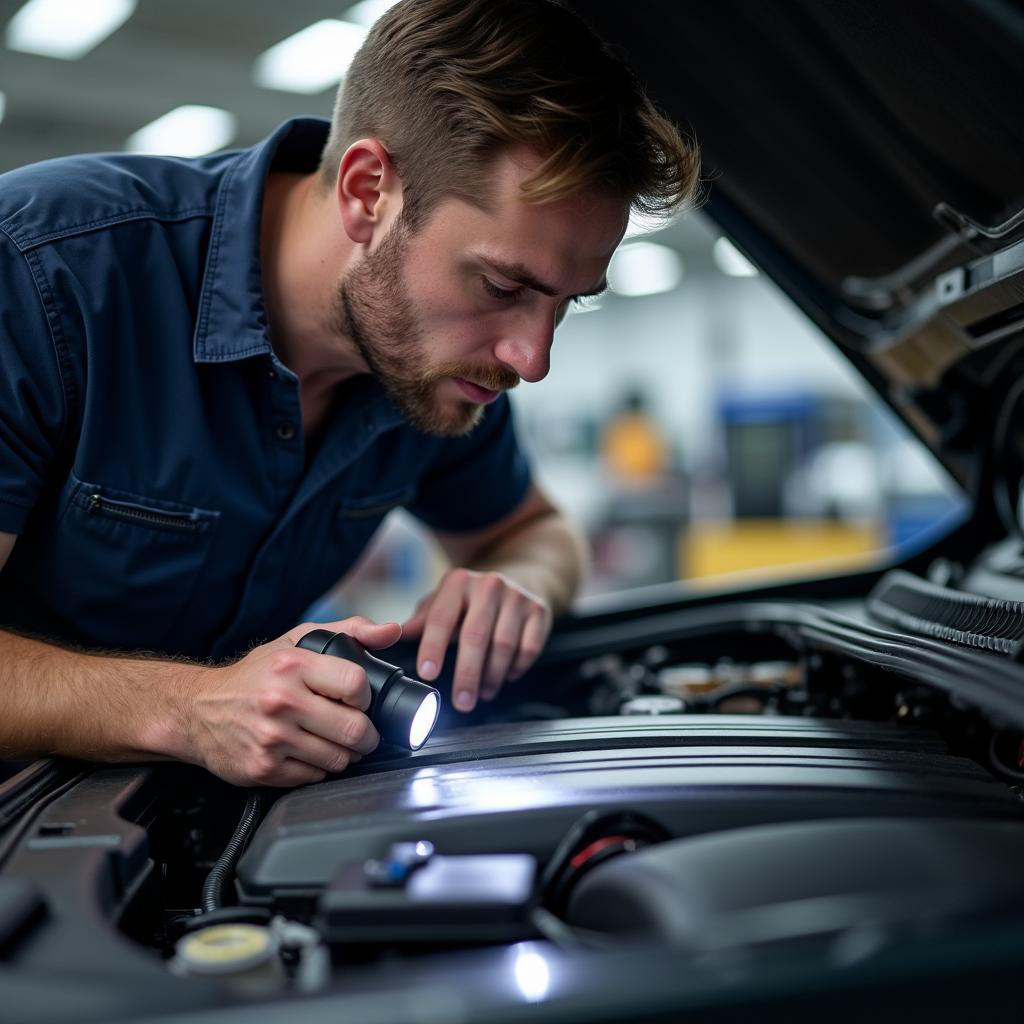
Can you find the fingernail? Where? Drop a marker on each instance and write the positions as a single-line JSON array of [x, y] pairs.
[[428, 670], [464, 700]]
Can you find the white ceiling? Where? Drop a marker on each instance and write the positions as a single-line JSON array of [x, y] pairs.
[[167, 54], [173, 53]]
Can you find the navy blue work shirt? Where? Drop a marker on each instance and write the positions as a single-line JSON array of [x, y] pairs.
[[152, 458]]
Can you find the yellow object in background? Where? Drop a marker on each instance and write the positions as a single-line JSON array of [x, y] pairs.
[[634, 448], [717, 548]]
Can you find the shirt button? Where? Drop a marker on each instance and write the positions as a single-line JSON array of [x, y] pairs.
[[272, 373], [285, 431]]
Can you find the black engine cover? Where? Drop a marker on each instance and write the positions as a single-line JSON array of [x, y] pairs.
[[518, 788]]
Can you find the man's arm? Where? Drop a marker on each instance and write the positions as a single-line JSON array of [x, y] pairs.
[[280, 716], [509, 580]]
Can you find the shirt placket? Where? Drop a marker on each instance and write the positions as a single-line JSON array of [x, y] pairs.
[[349, 434]]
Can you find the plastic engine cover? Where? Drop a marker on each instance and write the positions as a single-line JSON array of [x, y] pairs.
[[518, 788]]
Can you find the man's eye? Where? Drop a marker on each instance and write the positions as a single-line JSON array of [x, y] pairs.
[[509, 295]]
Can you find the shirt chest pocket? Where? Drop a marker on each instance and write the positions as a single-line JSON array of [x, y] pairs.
[[374, 507], [357, 518], [126, 565]]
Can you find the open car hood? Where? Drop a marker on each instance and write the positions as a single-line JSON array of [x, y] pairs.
[[869, 157]]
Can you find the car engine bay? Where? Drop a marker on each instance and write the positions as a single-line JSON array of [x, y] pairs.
[[744, 787], [784, 800]]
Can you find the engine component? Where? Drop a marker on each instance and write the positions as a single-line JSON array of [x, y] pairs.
[[798, 880], [595, 839], [653, 706], [213, 887], [254, 959], [412, 896], [501, 788], [245, 955]]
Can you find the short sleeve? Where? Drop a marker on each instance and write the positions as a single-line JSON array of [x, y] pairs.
[[475, 480], [32, 406]]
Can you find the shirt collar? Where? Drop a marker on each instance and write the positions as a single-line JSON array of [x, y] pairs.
[[232, 317]]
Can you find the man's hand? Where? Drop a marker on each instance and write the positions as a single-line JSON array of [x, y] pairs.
[[283, 716], [502, 628]]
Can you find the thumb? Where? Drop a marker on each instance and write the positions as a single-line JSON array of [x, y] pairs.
[[370, 634]]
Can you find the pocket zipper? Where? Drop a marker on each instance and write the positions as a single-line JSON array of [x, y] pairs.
[[365, 511], [175, 520]]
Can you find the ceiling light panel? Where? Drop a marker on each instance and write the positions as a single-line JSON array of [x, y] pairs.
[[311, 60], [67, 29], [185, 131], [644, 268]]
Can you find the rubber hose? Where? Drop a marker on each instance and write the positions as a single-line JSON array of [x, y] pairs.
[[213, 887]]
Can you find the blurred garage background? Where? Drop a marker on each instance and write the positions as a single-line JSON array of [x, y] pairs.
[[694, 422]]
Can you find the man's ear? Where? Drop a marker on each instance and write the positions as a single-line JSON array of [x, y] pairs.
[[369, 192]]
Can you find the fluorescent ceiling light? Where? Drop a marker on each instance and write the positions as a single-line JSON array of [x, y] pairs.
[[68, 29], [366, 12], [644, 268], [730, 260], [311, 60], [185, 131], [3, 105]]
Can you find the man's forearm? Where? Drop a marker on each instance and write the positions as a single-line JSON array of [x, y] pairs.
[[546, 555], [278, 716], [104, 708]]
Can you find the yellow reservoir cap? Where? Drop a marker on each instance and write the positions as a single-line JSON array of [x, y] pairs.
[[226, 947]]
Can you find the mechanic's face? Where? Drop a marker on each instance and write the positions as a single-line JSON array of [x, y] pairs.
[[450, 316]]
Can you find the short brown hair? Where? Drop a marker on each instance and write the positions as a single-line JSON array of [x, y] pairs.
[[446, 85]]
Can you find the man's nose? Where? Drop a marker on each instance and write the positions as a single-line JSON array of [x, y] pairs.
[[526, 348]]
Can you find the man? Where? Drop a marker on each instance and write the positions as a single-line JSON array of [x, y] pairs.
[[220, 374]]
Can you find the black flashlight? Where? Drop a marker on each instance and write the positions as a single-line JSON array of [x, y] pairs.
[[404, 710]]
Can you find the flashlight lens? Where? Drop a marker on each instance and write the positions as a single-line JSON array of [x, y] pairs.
[[423, 722]]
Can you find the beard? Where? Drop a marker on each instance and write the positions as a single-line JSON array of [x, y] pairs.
[[372, 309]]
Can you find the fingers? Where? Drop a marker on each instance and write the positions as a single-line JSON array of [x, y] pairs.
[[445, 611], [475, 639], [324, 742], [501, 631], [504, 646], [369, 634], [534, 636], [330, 757], [336, 678], [339, 726]]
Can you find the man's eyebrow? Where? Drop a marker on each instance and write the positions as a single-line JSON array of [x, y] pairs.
[[521, 275]]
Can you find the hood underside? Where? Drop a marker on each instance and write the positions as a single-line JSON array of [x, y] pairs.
[[869, 157]]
